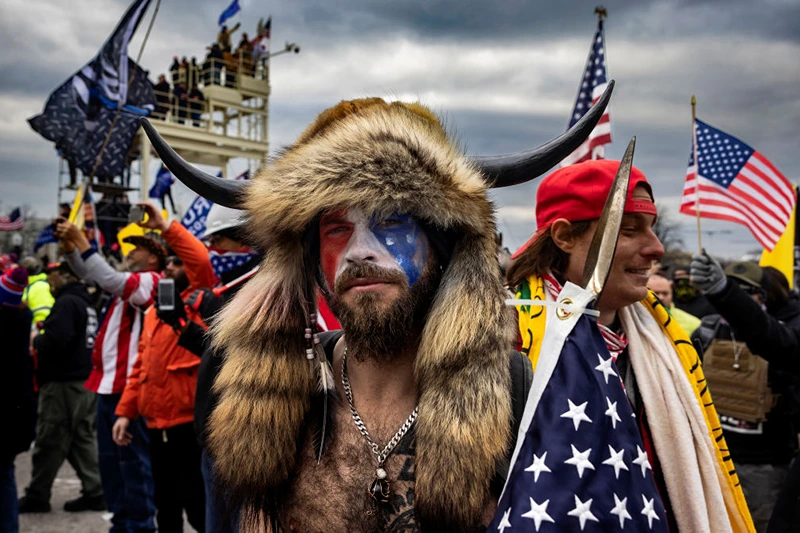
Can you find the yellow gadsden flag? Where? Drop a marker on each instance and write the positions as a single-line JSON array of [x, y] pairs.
[[782, 256]]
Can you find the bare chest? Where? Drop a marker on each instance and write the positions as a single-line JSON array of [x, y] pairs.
[[333, 495]]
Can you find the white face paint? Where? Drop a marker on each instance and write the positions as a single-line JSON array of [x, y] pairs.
[[394, 243]]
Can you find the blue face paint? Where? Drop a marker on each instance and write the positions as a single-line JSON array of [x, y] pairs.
[[406, 242]]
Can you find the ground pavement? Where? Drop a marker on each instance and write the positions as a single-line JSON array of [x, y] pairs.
[[66, 487]]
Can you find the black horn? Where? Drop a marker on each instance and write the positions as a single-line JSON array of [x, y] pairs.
[[219, 191], [513, 169]]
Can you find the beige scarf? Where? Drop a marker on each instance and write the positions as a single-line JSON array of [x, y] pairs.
[[696, 483]]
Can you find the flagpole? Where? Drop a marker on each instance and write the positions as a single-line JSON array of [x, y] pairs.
[[696, 175], [120, 105], [83, 189]]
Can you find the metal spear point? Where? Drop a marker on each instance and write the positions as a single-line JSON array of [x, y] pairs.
[[604, 242]]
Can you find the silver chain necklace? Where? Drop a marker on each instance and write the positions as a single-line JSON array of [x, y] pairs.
[[379, 488]]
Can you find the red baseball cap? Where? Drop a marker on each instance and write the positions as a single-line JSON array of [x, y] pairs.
[[578, 192]]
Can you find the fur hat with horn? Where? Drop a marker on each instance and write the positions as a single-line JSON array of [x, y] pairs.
[[380, 157]]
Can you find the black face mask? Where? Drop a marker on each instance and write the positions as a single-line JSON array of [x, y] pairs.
[[683, 291]]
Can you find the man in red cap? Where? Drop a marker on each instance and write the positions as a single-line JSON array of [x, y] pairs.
[[649, 353]]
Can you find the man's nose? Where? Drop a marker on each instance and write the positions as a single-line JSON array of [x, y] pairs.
[[652, 247], [363, 245]]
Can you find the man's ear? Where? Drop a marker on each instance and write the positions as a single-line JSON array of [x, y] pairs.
[[562, 235]]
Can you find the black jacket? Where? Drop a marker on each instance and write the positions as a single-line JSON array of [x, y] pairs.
[[765, 335], [16, 382], [775, 338], [65, 348]]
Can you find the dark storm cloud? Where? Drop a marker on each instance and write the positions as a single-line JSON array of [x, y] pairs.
[[737, 56]]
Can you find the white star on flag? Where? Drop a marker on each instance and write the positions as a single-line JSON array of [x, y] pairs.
[[504, 523], [649, 511], [583, 511], [612, 412], [538, 466], [577, 414], [580, 460], [538, 513], [621, 510], [605, 367], [642, 460], [615, 459]]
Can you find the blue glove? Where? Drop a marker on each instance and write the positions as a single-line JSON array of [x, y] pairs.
[[706, 274]]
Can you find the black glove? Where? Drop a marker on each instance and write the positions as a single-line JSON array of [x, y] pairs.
[[206, 303], [706, 274], [175, 317]]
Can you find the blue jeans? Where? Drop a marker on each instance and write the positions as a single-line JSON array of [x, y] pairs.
[[9, 509], [125, 471], [219, 518]]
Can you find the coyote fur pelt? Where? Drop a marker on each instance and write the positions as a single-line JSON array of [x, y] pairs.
[[382, 158]]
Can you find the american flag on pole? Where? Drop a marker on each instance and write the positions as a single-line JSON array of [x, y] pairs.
[[580, 463], [734, 182], [595, 79], [14, 221]]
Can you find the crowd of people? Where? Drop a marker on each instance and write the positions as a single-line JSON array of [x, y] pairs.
[[180, 97], [208, 382]]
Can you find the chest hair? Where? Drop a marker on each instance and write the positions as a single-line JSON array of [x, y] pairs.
[[333, 496]]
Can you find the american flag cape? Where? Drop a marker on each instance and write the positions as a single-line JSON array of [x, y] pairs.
[[593, 83], [737, 184], [579, 462]]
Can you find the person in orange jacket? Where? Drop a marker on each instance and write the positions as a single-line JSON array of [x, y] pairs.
[[161, 387]]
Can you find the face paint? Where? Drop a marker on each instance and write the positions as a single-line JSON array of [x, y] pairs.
[[400, 235], [395, 242]]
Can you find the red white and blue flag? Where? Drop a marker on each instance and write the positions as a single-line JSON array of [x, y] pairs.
[[594, 82], [580, 463], [732, 181], [14, 221]]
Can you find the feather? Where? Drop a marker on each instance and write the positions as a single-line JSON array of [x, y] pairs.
[[325, 386]]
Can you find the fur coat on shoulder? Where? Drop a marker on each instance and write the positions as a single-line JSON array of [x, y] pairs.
[[381, 158]]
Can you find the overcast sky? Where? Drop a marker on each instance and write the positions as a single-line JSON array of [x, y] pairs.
[[504, 74]]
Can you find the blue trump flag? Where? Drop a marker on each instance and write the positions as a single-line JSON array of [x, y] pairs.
[[45, 237], [579, 463], [230, 11], [195, 218]]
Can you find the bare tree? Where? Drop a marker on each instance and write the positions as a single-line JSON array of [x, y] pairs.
[[668, 231]]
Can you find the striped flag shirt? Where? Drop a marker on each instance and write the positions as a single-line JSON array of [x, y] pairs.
[[734, 182], [117, 343], [594, 82]]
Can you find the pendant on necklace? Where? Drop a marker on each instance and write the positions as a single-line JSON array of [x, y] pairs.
[[379, 488]]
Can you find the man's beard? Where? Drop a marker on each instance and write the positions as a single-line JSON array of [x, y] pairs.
[[374, 331], [181, 282]]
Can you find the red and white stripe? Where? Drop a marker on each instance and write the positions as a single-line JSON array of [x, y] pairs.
[[760, 197], [594, 145], [117, 343]]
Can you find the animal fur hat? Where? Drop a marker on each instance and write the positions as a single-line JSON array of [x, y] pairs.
[[382, 158]]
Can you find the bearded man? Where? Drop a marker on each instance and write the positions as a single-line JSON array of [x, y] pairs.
[[404, 420]]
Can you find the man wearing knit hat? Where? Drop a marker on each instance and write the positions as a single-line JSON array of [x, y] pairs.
[[16, 390], [125, 471], [12, 286], [65, 425], [647, 355]]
